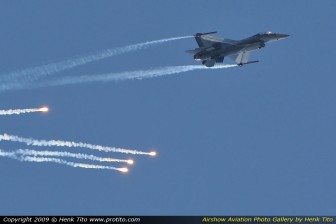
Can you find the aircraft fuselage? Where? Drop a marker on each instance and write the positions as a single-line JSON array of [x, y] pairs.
[[214, 49]]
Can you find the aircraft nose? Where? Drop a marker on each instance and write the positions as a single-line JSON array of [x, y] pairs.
[[281, 36]]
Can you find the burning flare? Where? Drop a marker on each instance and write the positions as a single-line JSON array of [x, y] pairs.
[[44, 109], [152, 153], [124, 169]]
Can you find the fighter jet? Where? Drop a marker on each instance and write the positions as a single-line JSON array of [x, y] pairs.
[[213, 49]]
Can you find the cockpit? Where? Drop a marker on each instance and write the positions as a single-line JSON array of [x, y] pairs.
[[263, 33], [267, 32]]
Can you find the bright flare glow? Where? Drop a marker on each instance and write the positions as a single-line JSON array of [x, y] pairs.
[[130, 161], [44, 109], [152, 153], [124, 170]]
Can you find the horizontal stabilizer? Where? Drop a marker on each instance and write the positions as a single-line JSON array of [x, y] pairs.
[[191, 51], [198, 50], [249, 62]]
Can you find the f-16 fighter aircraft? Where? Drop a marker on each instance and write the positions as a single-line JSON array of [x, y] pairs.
[[213, 49]]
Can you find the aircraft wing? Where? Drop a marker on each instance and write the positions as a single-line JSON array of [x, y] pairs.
[[205, 40], [241, 57]]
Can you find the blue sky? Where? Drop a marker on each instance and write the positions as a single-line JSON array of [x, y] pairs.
[[256, 140]]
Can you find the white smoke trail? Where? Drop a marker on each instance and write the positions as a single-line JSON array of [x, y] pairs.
[[32, 74], [138, 74], [28, 152], [22, 111], [59, 143], [8, 154], [12, 155], [64, 162]]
